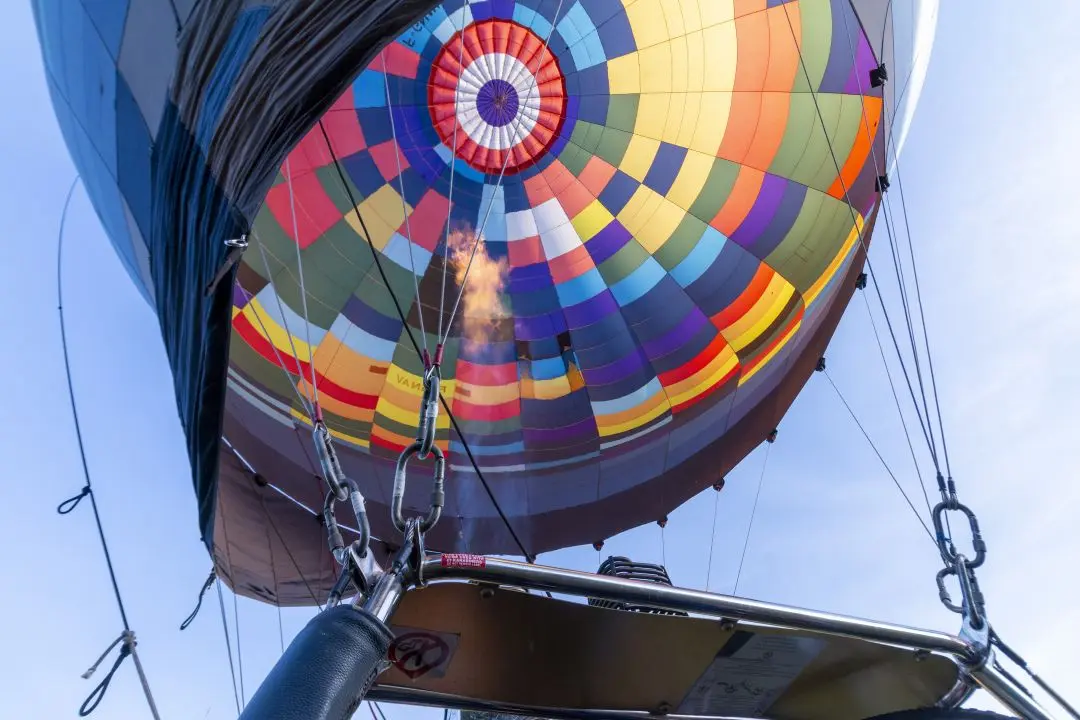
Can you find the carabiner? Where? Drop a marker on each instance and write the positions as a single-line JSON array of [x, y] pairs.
[[437, 493]]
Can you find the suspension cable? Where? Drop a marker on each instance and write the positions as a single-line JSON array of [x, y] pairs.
[[855, 223], [502, 171], [453, 164], [922, 318], [880, 170], [412, 340], [712, 545], [228, 645], [753, 513], [309, 408], [126, 640], [880, 457], [303, 290], [404, 209], [899, 409]]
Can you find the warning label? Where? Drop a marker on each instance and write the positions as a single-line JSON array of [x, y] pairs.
[[461, 560], [421, 653], [749, 673]]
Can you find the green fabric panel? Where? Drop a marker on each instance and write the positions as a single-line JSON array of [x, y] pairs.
[[262, 372], [331, 185], [613, 146], [681, 242], [802, 124], [625, 261], [714, 193], [815, 43], [574, 158], [622, 112], [587, 135]]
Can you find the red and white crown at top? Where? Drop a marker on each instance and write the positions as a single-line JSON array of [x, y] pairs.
[[495, 88]]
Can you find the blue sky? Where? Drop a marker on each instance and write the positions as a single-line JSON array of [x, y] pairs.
[[988, 175]]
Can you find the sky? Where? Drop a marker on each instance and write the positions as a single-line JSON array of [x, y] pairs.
[[987, 173]]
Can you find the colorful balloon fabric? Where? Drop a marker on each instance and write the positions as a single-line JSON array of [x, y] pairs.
[[665, 200]]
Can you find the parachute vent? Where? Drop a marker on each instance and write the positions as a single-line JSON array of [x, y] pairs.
[[627, 569]]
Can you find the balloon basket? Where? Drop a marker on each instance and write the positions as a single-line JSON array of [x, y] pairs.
[[476, 633], [491, 635]]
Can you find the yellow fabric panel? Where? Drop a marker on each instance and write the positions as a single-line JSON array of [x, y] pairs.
[[635, 417], [594, 218], [711, 121], [651, 218], [548, 389], [639, 156], [347, 368], [652, 114], [656, 68], [721, 57], [749, 327], [647, 21], [383, 215], [489, 394], [623, 75], [266, 326], [714, 12], [764, 360], [678, 65], [688, 389], [691, 179], [660, 226]]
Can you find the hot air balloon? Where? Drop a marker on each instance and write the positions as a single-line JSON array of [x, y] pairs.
[[581, 255]]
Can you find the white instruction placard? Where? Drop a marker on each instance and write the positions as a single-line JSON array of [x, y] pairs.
[[749, 673]]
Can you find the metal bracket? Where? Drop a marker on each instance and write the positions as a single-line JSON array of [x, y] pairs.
[[236, 246]]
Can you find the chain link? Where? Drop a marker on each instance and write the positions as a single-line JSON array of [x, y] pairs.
[[973, 604], [351, 558], [422, 447]]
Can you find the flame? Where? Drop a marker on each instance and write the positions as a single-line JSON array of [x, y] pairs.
[[482, 286]]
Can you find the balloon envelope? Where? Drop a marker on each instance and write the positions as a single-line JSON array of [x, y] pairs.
[[635, 225]]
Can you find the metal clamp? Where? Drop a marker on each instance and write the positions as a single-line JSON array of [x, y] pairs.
[[333, 532], [438, 495], [945, 545], [328, 459], [429, 412]]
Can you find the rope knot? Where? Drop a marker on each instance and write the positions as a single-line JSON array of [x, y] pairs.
[[72, 502]]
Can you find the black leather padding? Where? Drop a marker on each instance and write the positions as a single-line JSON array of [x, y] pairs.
[[326, 671]]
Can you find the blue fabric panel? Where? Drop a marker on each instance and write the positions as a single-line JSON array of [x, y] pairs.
[[233, 56], [133, 156], [108, 17]]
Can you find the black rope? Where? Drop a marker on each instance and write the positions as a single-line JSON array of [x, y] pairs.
[[64, 508], [72, 502], [126, 641], [198, 605], [416, 346]]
